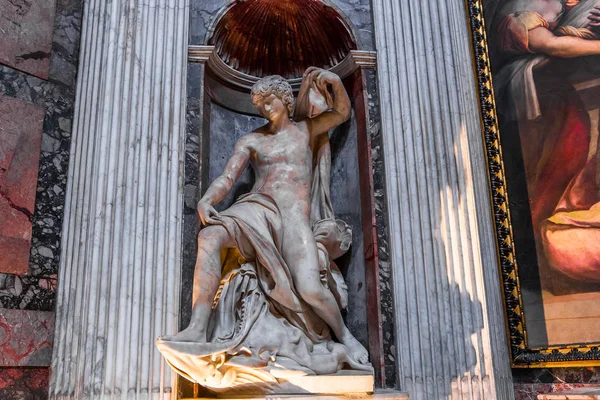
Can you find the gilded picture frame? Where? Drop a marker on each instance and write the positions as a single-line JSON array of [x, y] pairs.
[[523, 353]]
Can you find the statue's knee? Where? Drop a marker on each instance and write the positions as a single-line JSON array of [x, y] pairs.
[[212, 235]]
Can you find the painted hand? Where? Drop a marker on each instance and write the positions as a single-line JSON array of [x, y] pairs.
[[594, 17]]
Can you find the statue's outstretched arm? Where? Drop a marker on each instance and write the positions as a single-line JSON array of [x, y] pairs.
[[339, 113], [221, 186]]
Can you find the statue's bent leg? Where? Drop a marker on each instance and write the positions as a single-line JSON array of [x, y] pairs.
[[207, 277], [301, 255]]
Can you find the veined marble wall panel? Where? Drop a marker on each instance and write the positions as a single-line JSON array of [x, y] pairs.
[[36, 289], [20, 141], [450, 335], [23, 383], [27, 301], [121, 246], [26, 28], [533, 381], [358, 14], [26, 338], [381, 212]]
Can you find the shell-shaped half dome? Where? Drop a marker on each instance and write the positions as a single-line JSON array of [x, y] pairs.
[[283, 37]]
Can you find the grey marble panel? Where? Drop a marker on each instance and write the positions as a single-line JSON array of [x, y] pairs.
[[202, 15], [381, 215], [345, 197], [358, 13], [226, 127], [195, 74]]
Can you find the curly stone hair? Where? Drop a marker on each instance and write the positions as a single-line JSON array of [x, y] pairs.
[[276, 85]]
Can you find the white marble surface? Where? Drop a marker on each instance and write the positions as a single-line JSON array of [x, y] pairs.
[[120, 261], [451, 341]]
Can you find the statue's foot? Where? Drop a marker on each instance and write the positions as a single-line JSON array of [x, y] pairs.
[[356, 365], [357, 350], [190, 334]]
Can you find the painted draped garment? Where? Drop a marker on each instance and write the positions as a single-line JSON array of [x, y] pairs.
[[554, 132]]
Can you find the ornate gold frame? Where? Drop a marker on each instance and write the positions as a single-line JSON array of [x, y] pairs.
[[522, 356]]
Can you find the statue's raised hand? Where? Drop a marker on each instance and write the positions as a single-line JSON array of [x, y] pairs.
[[321, 77], [207, 213]]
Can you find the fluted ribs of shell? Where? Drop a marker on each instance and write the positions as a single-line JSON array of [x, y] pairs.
[[120, 259], [267, 37], [450, 329]]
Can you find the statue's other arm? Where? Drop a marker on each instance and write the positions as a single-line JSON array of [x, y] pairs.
[[221, 186], [340, 111]]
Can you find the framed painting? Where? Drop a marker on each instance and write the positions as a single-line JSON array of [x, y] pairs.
[[538, 75]]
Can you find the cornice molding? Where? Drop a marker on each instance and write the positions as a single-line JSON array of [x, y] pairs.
[[238, 80]]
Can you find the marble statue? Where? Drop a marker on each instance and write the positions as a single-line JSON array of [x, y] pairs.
[[267, 293]]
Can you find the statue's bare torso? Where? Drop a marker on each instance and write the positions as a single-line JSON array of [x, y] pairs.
[[282, 164]]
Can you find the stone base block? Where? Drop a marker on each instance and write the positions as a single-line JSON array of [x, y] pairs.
[[341, 383], [586, 393], [378, 395]]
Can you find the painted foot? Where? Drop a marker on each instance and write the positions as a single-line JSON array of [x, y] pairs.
[[357, 351], [190, 334]]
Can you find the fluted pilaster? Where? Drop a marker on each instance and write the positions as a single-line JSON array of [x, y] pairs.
[[119, 277], [450, 330]]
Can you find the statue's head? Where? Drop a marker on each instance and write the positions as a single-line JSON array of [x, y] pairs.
[[269, 88]]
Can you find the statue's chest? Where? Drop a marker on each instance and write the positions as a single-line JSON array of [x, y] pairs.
[[291, 148]]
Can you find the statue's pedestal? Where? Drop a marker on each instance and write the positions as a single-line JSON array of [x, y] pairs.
[[343, 383], [587, 393], [379, 395]]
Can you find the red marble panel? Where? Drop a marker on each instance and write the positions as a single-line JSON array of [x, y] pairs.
[[371, 247], [536, 391], [21, 127], [26, 27], [26, 338], [24, 383]]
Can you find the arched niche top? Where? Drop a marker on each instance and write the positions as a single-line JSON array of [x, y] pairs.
[[230, 88], [283, 37]]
